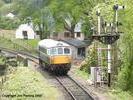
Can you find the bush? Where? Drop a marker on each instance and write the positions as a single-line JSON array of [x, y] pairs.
[[125, 78], [90, 61], [6, 23]]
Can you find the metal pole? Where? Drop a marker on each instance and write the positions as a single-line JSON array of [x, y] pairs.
[[116, 20], [109, 65], [99, 31], [98, 14], [99, 50]]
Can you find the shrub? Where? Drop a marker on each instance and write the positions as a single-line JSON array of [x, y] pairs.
[[90, 61]]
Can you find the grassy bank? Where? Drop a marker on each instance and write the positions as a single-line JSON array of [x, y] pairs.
[[26, 84], [117, 94], [82, 74], [21, 45]]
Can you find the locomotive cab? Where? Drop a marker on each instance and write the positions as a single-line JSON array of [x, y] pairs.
[[60, 55]]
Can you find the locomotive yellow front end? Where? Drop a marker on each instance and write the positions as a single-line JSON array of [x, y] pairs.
[[61, 59]]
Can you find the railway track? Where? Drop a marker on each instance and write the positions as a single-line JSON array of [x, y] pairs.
[[71, 86], [27, 55]]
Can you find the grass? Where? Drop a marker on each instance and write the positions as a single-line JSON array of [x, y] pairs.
[[82, 74], [18, 44], [28, 43], [8, 40], [26, 84], [118, 94]]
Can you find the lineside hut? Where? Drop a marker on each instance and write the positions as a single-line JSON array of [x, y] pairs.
[[25, 31], [79, 48], [10, 15]]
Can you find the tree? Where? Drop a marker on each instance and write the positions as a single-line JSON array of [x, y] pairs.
[[125, 80], [66, 13], [45, 23]]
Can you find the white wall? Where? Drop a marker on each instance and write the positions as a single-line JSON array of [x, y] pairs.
[[74, 52], [24, 27], [79, 38]]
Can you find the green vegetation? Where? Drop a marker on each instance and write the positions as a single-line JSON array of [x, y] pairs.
[[50, 16], [9, 24], [26, 84], [90, 61], [31, 44], [21, 45], [125, 74], [120, 95], [82, 74], [125, 80]]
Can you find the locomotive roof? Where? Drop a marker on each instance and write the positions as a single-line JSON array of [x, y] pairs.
[[49, 43]]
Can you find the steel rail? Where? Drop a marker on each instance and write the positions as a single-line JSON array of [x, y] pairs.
[[69, 91], [29, 56], [80, 87]]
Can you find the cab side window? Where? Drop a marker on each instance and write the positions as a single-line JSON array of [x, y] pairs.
[[66, 51], [53, 51]]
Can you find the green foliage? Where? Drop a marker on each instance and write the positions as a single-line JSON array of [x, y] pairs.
[[81, 73], [6, 23], [59, 10], [86, 27], [5, 9], [25, 81], [90, 61], [125, 80], [118, 94], [62, 10], [106, 13]]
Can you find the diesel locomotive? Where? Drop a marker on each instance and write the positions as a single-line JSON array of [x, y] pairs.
[[55, 56]]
